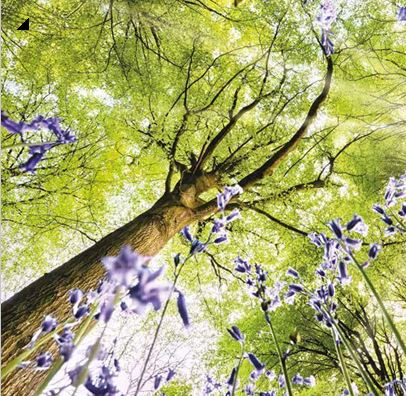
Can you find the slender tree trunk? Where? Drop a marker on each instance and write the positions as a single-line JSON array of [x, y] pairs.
[[23, 313]]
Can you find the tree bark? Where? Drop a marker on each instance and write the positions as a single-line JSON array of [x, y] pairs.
[[23, 313]]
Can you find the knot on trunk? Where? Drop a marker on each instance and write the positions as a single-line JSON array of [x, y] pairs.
[[192, 186]]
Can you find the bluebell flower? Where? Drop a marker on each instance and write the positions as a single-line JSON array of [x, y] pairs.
[[255, 374], [106, 308], [353, 244], [331, 290], [232, 377], [31, 164], [255, 362], [176, 259], [249, 389], [181, 304], [197, 247], [374, 249], [157, 382], [309, 381], [402, 211], [395, 190], [117, 365], [170, 375], [220, 239], [402, 14], [327, 14], [378, 209], [44, 361], [103, 384], [122, 269], [210, 385], [289, 297], [296, 288], [242, 265], [390, 231], [224, 197], [318, 239], [297, 379], [274, 303], [386, 219], [234, 215], [147, 291], [187, 234], [292, 272], [335, 226], [327, 43], [49, 324], [218, 225], [236, 333], [75, 296], [65, 343], [357, 224], [270, 374], [281, 381], [81, 311], [261, 273], [343, 276]]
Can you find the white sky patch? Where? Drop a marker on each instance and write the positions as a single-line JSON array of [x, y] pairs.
[[99, 94], [235, 34], [145, 123], [14, 88], [121, 205]]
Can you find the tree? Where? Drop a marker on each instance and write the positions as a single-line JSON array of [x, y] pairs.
[[243, 112]]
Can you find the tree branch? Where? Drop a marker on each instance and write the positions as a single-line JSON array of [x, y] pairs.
[[269, 166]]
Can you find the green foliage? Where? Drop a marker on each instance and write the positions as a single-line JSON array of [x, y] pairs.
[[116, 72]]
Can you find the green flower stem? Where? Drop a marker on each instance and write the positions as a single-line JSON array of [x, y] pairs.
[[281, 358], [365, 376], [238, 369], [343, 365], [385, 313], [158, 329]]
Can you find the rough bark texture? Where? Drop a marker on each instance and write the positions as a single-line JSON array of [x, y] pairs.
[[23, 313]]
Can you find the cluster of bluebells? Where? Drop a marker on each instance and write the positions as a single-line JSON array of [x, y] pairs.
[[327, 16], [256, 279], [337, 256], [130, 285], [393, 211], [37, 151], [218, 233], [259, 370], [391, 387]]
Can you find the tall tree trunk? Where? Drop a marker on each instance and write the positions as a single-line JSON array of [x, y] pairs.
[[23, 313]]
